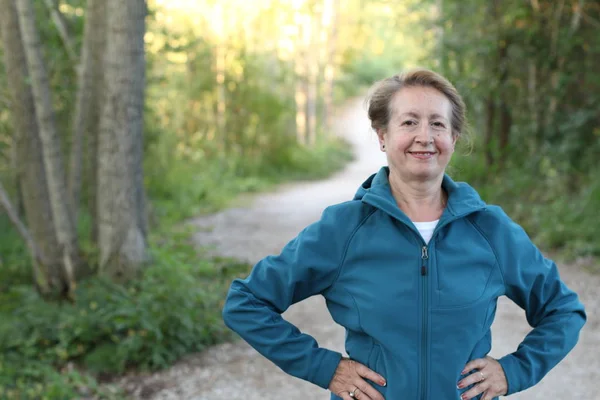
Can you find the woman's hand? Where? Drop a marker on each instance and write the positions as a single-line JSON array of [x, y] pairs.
[[349, 378], [488, 379]]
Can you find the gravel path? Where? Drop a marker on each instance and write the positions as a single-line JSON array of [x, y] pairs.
[[235, 371]]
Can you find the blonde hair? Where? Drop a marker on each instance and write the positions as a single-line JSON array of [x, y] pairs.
[[381, 94]]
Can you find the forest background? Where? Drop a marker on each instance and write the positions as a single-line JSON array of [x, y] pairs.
[[121, 120]]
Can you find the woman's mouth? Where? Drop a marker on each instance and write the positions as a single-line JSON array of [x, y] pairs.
[[422, 155]]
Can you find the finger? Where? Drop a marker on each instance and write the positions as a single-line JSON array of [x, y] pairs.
[[361, 395], [345, 395], [479, 363], [371, 375], [474, 391], [487, 396], [475, 377], [369, 391]]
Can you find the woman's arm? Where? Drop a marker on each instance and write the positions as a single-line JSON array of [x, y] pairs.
[[552, 309], [307, 265]]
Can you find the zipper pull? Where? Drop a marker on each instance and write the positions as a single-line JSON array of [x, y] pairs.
[[424, 256]]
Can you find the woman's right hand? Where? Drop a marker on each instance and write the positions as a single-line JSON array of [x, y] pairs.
[[350, 377]]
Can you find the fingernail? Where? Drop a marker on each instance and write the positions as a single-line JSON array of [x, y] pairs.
[[383, 383]]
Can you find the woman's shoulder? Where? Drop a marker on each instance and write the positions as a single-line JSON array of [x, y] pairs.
[[495, 224], [348, 213]]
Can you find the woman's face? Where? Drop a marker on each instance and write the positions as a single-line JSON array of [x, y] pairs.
[[418, 139]]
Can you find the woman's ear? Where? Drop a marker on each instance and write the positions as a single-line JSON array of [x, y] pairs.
[[381, 139]]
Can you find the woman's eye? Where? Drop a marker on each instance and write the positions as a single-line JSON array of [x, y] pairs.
[[409, 123], [439, 125]]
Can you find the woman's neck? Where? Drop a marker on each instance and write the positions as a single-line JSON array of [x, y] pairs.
[[421, 201]]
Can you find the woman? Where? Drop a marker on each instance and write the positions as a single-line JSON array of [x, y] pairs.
[[412, 267]]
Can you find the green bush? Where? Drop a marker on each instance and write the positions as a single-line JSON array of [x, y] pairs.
[[182, 186], [148, 324], [558, 211]]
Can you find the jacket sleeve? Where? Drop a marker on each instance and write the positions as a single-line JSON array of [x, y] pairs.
[[552, 309], [307, 265]]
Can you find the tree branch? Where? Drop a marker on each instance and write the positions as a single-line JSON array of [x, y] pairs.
[[38, 258], [61, 25]]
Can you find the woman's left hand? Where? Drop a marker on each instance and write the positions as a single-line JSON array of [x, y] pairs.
[[488, 378]]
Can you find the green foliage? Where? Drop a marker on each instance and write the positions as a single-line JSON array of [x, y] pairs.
[[524, 70], [173, 310], [556, 212], [15, 264]]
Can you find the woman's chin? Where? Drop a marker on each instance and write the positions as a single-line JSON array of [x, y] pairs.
[[425, 174]]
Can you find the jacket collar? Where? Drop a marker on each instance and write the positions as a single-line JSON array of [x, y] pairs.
[[376, 191]]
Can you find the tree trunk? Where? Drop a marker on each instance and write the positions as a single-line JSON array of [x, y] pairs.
[[300, 94], [505, 113], [312, 69], [330, 22], [89, 101], [220, 60], [491, 65], [490, 116], [121, 199], [44, 186]]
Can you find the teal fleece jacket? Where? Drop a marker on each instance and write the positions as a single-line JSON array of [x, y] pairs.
[[415, 313]]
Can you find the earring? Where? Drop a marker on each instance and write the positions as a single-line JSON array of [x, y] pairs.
[[383, 147]]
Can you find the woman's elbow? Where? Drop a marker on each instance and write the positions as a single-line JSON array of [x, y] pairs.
[[231, 308]]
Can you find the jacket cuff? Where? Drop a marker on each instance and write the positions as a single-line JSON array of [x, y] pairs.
[[325, 369], [512, 370]]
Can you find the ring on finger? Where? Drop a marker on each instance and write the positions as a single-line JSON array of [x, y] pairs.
[[482, 376], [354, 393]]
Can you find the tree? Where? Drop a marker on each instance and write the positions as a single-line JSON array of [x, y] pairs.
[[122, 225], [30, 166], [51, 146], [89, 100]]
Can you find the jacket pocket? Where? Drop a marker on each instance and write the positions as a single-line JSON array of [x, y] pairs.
[[462, 286], [464, 267]]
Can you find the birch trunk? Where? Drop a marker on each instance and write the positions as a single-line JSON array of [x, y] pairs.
[[121, 202], [51, 146], [29, 159], [89, 101]]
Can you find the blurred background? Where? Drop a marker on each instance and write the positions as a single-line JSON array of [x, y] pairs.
[[119, 121]]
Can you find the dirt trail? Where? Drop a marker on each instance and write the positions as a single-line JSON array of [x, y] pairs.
[[235, 371]]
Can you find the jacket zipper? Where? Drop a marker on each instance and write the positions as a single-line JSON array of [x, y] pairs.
[[376, 202], [424, 258]]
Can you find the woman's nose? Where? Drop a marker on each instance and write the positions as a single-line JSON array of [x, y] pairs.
[[424, 135]]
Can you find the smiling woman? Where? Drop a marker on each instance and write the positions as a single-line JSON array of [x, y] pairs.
[[412, 268], [418, 119], [418, 140]]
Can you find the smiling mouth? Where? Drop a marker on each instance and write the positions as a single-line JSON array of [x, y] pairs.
[[422, 154]]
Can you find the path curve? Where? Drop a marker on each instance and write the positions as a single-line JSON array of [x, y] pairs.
[[234, 371]]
